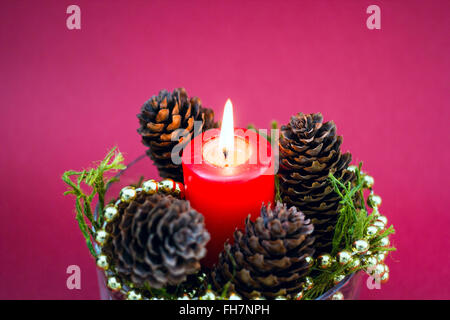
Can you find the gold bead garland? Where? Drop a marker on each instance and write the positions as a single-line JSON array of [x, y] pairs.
[[337, 296], [111, 212], [359, 258]]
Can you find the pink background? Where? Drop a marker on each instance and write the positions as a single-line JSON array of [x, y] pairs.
[[68, 96]]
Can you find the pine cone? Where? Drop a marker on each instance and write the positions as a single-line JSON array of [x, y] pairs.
[[270, 258], [159, 120], [158, 240], [309, 151], [209, 118]]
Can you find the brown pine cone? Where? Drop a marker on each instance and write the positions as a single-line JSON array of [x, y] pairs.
[[309, 151], [209, 118], [159, 120], [271, 258], [158, 240]]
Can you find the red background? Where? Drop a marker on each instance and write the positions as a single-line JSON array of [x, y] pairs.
[[68, 96]]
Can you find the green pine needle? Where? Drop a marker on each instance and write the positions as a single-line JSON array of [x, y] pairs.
[[96, 181], [268, 137], [277, 189], [352, 223]]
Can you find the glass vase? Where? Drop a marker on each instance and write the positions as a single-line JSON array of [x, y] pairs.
[[348, 289]]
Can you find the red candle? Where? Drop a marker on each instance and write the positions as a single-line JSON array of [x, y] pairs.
[[228, 175]]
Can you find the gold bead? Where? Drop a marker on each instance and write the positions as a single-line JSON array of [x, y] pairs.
[[128, 194], [374, 201], [368, 181], [209, 295], [337, 296], [299, 296], [384, 278], [344, 257], [324, 261], [381, 256], [379, 225], [371, 231], [111, 213], [354, 264], [384, 242], [133, 295], [379, 269], [150, 186], [369, 261], [376, 271], [179, 190], [234, 296], [338, 278], [102, 262], [383, 219], [360, 246], [166, 185], [101, 237], [308, 283], [114, 284], [309, 261]]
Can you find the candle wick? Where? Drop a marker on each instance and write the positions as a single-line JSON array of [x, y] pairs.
[[225, 153]]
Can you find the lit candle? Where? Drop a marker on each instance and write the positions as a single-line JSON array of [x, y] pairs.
[[228, 175]]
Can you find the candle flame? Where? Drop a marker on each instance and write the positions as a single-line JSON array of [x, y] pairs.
[[226, 138]]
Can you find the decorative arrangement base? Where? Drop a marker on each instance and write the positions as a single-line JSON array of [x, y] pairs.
[[347, 289]]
